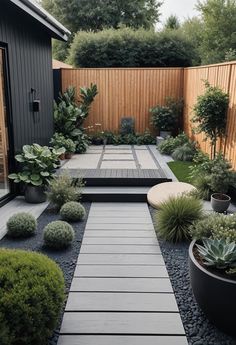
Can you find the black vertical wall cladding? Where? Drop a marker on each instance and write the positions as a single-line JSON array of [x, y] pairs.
[[28, 46]]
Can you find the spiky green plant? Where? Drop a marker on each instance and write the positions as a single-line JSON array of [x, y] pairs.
[[217, 253], [175, 216]]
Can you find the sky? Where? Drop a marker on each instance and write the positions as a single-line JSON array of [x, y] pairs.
[[182, 8]]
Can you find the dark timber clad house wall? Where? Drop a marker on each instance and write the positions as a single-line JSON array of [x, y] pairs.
[[29, 53]]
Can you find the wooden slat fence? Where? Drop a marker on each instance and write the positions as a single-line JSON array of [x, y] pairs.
[[126, 92], [133, 91]]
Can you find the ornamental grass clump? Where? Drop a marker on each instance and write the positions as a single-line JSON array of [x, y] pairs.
[[58, 235], [21, 225], [31, 297], [72, 211], [175, 216]]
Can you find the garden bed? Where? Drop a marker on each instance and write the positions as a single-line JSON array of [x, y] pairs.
[[198, 329], [66, 258]]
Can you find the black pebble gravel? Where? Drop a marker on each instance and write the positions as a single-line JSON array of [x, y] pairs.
[[66, 258], [198, 329]]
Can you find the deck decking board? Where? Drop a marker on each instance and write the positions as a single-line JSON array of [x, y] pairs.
[[121, 292]]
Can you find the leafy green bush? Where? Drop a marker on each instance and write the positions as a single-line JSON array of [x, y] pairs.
[[168, 145], [130, 48], [216, 226], [58, 234], [38, 165], [185, 152], [146, 138], [175, 216], [72, 211], [21, 225], [31, 297], [64, 189]]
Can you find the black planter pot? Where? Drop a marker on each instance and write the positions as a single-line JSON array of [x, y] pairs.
[[215, 295], [35, 194], [220, 202]]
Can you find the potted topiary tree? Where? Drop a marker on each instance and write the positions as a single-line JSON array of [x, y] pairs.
[[38, 167]]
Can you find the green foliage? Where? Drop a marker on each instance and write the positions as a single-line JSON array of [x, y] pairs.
[[175, 216], [168, 145], [64, 189], [185, 152], [130, 48], [166, 117], [128, 139], [21, 225], [211, 176], [216, 226], [95, 15], [58, 140], [60, 49], [38, 165], [230, 55], [211, 114], [58, 235], [72, 211], [181, 170], [218, 34], [145, 139], [217, 253], [127, 125], [31, 297], [69, 115], [172, 23]]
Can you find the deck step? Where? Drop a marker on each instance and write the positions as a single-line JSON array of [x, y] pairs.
[[115, 194]]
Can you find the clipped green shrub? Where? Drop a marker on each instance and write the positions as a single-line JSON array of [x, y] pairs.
[[72, 211], [175, 216], [58, 234], [31, 297], [21, 225], [126, 47], [185, 152], [168, 145], [64, 189], [216, 226]]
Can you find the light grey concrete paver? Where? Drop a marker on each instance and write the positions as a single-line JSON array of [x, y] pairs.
[[82, 161], [120, 233], [120, 157], [120, 259], [118, 151], [107, 301], [114, 147], [121, 340], [157, 285], [120, 220], [128, 249], [125, 226], [145, 159], [118, 241], [115, 164]]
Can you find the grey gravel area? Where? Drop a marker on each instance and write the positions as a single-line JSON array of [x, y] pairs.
[[66, 258], [198, 329]]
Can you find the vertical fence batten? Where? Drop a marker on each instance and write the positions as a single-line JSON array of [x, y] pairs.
[[133, 91]]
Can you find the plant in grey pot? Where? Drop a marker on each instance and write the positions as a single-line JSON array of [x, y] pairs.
[[38, 168]]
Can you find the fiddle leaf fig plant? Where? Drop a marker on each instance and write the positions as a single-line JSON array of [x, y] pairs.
[[38, 165]]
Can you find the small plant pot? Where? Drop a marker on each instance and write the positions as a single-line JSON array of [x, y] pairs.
[[220, 202], [214, 294], [35, 194], [165, 134], [62, 157], [97, 141], [68, 155]]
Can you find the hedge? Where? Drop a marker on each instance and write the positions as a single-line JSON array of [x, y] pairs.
[[130, 48]]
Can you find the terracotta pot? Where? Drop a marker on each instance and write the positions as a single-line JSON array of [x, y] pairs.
[[214, 294], [68, 155]]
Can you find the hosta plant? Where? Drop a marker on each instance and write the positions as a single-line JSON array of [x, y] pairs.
[[38, 165], [220, 254]]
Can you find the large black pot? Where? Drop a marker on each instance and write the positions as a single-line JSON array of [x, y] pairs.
[[35, 194], [215, 295]]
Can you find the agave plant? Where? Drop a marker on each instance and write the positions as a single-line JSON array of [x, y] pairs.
[[38, 164], [218, 253]]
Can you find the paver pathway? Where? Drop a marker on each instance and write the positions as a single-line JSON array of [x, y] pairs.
[[121, 293]]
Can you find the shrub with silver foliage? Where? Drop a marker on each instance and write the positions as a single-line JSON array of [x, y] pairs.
[[58, 234], [21, 225], [72, 211]]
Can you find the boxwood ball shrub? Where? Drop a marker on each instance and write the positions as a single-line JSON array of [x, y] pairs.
[[58, 234], [21, 225], [175, 216], [31, 297], [72, 211]]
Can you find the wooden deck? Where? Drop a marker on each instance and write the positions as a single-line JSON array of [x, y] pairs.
[[121, 293]]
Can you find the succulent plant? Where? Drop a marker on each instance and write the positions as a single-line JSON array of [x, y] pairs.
[[217, 253]]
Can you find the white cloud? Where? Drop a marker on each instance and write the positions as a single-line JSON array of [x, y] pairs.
[[181, 8]]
